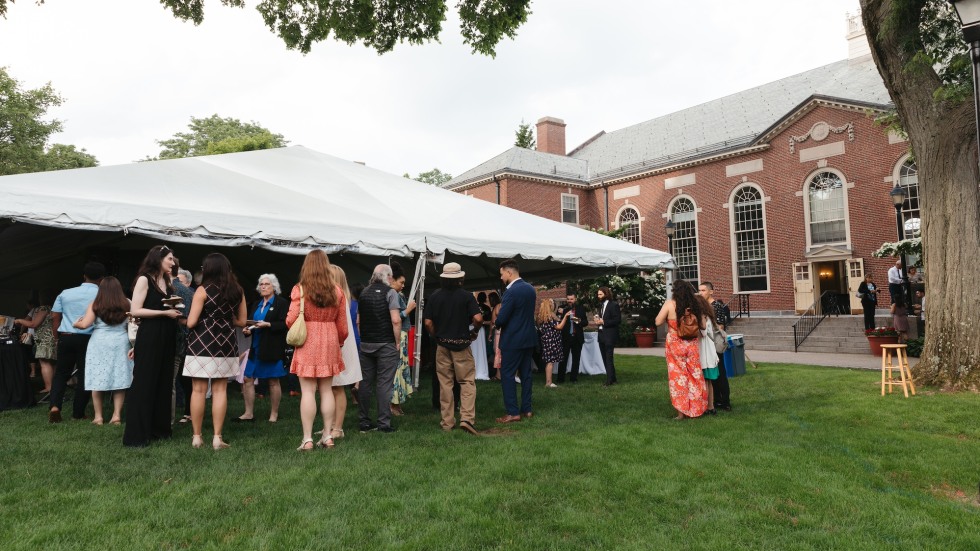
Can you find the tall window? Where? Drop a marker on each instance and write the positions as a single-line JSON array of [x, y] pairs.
[[750, 240], [908, 178], [569, 208], [826, 195], [684, 244], [630, 220]]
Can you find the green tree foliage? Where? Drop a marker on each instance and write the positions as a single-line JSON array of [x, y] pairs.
[[215, 135], [435, 177], [24, 132], [378, 24], [524, 136]]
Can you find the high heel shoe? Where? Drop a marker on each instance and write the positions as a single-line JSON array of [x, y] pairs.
[[302, 447], [325, 442], [219, 444], [197, 441]]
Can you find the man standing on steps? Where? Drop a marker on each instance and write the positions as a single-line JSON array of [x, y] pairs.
[[722, 319]]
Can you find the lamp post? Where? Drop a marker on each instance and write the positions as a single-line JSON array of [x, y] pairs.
[[968, 12], [669, 230], [898, 195]]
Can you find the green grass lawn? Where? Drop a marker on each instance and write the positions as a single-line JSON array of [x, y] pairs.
[[811, 458]]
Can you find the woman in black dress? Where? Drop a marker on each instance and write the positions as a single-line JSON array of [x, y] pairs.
[[148, 400]]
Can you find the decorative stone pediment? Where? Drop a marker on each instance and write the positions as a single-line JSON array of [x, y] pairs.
[[828, 252], [819, 132]]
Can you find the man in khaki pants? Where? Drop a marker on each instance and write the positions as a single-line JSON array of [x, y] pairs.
[[453, 317]]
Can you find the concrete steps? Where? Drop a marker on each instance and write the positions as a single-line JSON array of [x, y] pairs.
[[834, 335]]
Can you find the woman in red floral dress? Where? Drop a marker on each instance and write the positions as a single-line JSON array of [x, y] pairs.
[[685, 380]]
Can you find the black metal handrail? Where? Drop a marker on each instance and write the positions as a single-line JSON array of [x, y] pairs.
[[743, 308], [809, 321]]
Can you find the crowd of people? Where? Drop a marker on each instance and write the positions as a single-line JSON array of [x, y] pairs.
[[174, 337]]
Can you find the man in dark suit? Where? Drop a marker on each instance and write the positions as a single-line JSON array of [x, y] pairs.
[[608, 321], [572, 336], [518, 336]]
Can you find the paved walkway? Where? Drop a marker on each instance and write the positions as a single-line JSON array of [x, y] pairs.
[[856, 361]]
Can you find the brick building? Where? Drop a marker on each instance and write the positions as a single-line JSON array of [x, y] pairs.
[[780, 192]]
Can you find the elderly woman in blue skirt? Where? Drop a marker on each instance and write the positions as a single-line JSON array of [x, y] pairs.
[[265, 358]]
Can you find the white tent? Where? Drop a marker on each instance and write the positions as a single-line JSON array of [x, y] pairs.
[[287, 200]]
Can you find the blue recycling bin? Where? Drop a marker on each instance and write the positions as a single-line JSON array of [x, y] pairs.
[[734, 357]]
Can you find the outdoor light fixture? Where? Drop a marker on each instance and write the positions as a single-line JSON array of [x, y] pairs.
[[968, 12], [898, 195], [669, 228]]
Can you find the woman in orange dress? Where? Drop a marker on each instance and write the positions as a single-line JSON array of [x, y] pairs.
[[318, 359], [685, 379]]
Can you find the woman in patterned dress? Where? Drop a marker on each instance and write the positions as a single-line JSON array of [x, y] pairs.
[[107, 364], [212, 346], [403, 375], [45, 349], [318, 359], [685, 380], [549, 334]]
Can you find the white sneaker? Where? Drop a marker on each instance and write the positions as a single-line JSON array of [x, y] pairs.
[[552, 385]]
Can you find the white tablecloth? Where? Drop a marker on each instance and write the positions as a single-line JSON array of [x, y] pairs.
[[479, 349], [591, 363]]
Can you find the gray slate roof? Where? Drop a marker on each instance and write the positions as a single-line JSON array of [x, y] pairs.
[[697, 131]]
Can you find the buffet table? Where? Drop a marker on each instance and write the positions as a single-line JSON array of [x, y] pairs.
[[591, 363]]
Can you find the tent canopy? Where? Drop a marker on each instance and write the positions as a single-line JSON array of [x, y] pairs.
[[267, 204]]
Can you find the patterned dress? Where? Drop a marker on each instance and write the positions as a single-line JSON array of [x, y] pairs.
[[212, 347], [107, 365], [44, 346], [551, 349], [326, 331], [403, 375], [685, 380]]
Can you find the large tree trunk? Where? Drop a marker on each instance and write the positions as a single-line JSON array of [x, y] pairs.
[[944, 141]]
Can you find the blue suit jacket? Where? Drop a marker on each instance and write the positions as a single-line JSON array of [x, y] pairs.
[[516, 317]]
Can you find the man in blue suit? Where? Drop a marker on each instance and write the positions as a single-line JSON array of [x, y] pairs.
[[518, 337]]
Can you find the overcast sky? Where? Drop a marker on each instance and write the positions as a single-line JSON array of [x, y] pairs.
[[131, 74]]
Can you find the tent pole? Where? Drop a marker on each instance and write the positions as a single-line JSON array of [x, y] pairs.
[[418, 291]]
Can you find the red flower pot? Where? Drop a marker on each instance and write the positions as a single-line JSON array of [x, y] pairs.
[[644, 340], [876, 343]]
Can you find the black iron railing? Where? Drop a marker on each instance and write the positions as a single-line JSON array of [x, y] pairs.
[[812, 317], [740, 301]]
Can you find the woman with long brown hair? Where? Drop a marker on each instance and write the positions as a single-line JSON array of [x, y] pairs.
[[148, 399], [318, 359], [685, 380], [107, 364], [212, 347]]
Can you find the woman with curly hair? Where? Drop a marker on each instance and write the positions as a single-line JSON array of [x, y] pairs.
[[319, 358], [685, 379]]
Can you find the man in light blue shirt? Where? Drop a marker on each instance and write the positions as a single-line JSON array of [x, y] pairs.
[[72, 343]]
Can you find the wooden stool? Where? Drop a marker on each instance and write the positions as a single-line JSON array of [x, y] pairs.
[[905, 374]]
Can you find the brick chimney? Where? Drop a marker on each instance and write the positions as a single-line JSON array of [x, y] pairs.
[[551, 135]]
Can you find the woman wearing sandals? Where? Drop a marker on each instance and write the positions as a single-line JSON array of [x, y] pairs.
[[351, 374], [212, 347], [107, 364], [265, 358], [318, 359]]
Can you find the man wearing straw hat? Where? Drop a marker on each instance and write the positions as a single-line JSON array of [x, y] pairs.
[[452, 316]]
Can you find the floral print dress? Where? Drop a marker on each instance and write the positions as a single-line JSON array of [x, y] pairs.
[[685, 379]]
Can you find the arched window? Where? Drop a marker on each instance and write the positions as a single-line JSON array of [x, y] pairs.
[[749, 230], [630, 220], [826, 197], [684, 244], [908, 178]]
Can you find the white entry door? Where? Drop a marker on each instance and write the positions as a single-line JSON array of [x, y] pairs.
[[802, 286], [855, 275]]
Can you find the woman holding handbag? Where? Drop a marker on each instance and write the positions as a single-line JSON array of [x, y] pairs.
[[318, 310]]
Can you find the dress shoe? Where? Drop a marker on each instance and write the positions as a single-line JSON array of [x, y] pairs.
[[368, 427], [388, 430], [509, 419], [468, 427], [54, 416]]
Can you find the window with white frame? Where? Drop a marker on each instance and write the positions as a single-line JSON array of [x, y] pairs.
[[749, 229], [629, 219], [569, 208], [908, 178], [826, 197], [684, 244]]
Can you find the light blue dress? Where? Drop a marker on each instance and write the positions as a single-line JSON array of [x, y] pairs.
[[107, 366]]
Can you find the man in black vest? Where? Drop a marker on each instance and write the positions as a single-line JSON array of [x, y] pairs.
[[572, 336], [380, 325]]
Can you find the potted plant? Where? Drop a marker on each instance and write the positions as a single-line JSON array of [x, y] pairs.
[[879, 336], [643, 336]]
